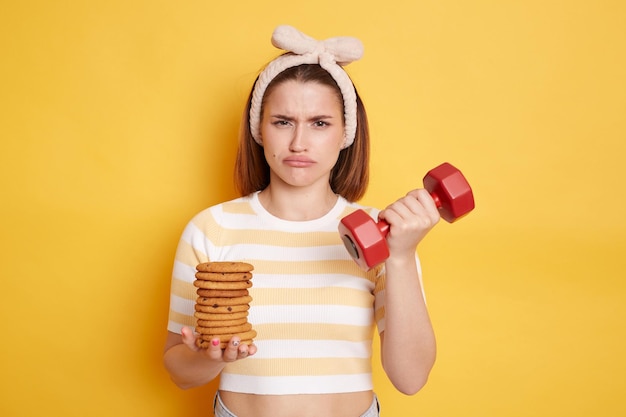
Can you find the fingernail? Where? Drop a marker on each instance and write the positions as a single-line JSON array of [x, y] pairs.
[[215, 342], [235, 342]]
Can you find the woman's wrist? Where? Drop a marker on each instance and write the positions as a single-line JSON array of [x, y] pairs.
[[403, 262]]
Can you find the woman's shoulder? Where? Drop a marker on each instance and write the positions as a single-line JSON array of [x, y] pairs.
[[240, 205], [350, 206]]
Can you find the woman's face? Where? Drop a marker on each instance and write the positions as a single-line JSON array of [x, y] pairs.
[[302, 131]]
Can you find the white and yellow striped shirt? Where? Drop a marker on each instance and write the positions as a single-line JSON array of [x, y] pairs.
[[313, 308]]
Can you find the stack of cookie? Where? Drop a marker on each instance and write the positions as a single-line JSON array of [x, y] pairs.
[[223, 302]]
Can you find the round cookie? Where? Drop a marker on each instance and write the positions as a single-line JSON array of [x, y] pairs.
[[223, 276], [224, 266], [203, 344], [203, 292], [241, 328], [200, 315], [206, 301], [222, 323], [250, 334], [221, 309], [222, 285]]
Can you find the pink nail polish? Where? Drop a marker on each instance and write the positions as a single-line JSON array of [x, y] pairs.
[[215, 342]]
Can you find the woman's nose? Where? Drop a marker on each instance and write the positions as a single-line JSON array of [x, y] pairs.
[[298, 141]]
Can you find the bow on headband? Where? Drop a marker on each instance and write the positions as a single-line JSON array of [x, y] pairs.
[[331, 54], [342, 50]]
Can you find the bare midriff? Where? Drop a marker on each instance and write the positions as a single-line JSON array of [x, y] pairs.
[[349, 404]]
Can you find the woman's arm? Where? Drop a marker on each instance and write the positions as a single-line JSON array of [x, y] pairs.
[[190, 366], [408, 347]]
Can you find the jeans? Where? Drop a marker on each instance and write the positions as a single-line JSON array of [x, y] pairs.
[[220, 409]]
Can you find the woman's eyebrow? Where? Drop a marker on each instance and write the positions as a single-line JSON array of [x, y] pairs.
[[315, 117]]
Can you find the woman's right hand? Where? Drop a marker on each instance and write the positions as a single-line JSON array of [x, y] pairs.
[[190, 366], [235, 350]]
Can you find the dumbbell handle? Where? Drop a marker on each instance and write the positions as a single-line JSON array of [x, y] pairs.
[[383, 226]]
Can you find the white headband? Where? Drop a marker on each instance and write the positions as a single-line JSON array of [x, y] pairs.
[[331, 54]]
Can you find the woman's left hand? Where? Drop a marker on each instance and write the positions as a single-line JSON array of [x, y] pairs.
[[410, 219]]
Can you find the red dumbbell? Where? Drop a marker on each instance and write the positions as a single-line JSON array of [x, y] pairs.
[[365, 239]]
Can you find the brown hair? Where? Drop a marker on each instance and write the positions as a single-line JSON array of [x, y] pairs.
[[350, 175]]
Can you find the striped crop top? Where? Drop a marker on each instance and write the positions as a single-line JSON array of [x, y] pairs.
[[314, 310]]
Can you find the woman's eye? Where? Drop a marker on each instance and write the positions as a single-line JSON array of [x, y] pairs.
[[281, 123], [321, 123]]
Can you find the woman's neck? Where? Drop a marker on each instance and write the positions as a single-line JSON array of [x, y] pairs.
[[297, 204]]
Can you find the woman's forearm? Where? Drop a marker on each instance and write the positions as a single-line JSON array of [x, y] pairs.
[[189, 369], [408, 345]]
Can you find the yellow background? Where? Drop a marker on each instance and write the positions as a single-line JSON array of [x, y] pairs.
[[118, 123]]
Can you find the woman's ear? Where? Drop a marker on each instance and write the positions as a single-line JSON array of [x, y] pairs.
[[345, 141]]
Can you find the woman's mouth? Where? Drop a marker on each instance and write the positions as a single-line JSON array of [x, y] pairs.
[[298, 162]]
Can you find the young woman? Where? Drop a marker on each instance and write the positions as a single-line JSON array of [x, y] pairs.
[[302, 163]]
